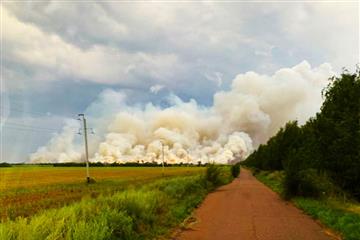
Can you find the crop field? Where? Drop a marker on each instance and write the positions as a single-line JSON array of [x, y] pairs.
[[127, 203], [26, 190]]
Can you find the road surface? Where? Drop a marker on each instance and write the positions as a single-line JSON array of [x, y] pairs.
[[248, 210]]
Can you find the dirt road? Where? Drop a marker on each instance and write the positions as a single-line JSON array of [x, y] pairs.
[[248, 210]]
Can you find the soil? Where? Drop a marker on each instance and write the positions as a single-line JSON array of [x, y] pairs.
[[248, 210]]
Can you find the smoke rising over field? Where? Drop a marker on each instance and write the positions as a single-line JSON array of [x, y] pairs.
[[240, 119]]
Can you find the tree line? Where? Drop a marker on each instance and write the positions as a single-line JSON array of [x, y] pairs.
[[324, 153]]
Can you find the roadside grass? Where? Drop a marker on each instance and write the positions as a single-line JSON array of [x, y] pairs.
[[66, 185], [272, 179], [341, 215], [142, 212], [345, 222]]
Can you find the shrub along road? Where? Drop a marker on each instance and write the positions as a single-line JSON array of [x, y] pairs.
[[247, 209]]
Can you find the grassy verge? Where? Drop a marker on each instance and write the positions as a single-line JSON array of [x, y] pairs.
[[137, 213], [343, 217], [272, 180]]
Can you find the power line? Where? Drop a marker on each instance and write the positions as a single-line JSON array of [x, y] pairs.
[[31, 126], [19, 127], [26, 129], [21, 110], [12, 109]]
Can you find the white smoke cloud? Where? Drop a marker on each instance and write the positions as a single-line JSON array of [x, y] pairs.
[[61, 147], [240, 119], [260, 104]]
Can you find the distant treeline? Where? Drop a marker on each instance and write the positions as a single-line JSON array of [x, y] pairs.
[[100, 164], [5, 164], [128, 164], [323, 154]]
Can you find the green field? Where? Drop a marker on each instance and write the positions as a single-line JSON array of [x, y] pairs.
[[26, 190]]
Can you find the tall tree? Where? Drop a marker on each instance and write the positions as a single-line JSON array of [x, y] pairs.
[[338, 129]]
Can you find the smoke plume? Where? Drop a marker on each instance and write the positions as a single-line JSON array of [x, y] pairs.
[[240, 119], [61, 147]]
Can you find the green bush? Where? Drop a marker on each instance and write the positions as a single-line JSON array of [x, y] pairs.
[[213, 174], [235, 170], [308, 183], [217, 175]]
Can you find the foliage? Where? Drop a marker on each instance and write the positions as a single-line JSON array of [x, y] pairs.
[[345, 222], [325, 149], [272, 179], [217, 175], [235, 170], [273, 155], [4, 164], [308, 183], [339, 131]]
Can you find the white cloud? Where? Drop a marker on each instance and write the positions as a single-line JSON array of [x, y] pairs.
[[266, 52], [49, 57], [158, 43], [330, 29]]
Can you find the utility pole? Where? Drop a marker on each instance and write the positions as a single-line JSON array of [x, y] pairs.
[[163, 156], [82, 117]]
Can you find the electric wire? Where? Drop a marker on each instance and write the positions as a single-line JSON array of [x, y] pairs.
[[30, 126], [12, 109], [26, 129]]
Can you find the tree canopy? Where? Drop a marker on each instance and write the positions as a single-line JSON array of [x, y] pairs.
[[328, 143]]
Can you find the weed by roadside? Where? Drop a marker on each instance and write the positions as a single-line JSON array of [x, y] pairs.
[[217, 175]]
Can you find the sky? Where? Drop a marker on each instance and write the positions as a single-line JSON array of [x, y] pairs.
[[59, 57]]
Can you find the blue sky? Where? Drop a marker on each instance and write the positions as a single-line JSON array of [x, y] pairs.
[[57, 56]]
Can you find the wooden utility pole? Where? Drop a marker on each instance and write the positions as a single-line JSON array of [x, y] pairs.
[[163, 157], [82, 117]]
